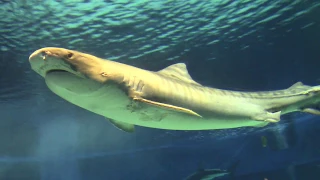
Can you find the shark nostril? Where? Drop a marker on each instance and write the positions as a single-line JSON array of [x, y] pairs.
[[44, 55]]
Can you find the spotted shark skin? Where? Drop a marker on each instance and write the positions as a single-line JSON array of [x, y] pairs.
[[165, 99]]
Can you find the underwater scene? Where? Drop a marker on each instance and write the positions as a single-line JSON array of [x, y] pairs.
[[160, 90]]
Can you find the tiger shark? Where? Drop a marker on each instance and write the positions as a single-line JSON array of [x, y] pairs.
[[165, 99]]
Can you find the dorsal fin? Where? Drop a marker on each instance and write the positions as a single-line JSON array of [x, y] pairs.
[[179, 72], [297, 85]]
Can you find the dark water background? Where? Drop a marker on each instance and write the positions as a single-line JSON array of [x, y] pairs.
[[238, 45]]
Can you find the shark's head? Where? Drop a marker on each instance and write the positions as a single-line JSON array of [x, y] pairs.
[[59, 59], [67, 70]]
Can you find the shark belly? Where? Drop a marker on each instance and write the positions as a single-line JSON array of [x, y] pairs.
[[111, 101]]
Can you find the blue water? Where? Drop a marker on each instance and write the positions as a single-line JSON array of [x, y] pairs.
[[237, 45]]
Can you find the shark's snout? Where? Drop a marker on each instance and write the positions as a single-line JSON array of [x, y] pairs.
[[34, 54], [37, 63], [49, 59], [43, 53], [60, 75]]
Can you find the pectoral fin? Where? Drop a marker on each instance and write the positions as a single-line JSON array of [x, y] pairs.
[[168, 106], [272, 117], [122, 125]]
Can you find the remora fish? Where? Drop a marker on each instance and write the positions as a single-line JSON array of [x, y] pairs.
[[207, 174], [166, 99], [210, 174]]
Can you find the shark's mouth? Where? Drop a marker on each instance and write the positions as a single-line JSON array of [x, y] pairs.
[[57, 71], [66, 81]]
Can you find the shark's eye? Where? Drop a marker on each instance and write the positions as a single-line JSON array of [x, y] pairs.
[[69, 55]]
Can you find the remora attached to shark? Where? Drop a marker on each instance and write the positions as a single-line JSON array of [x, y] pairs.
[[166, 99]]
